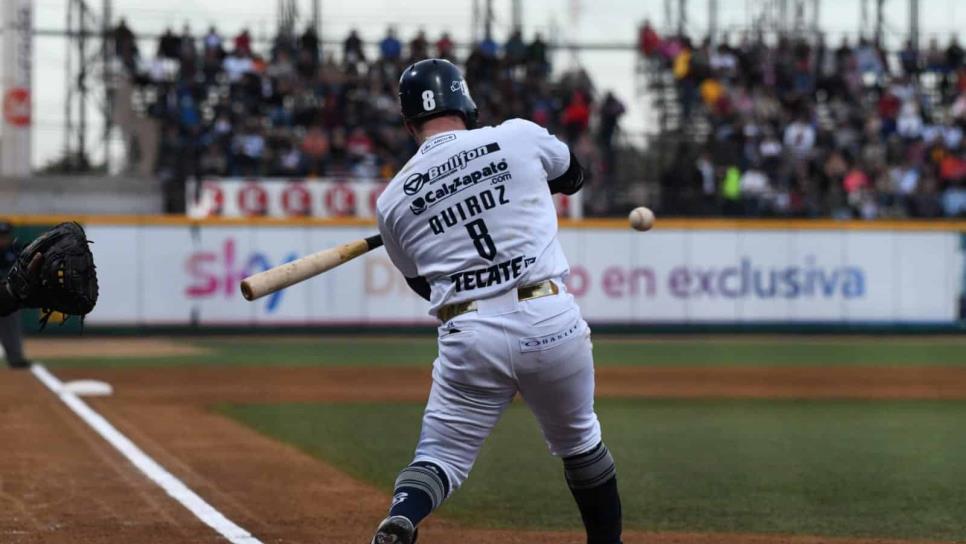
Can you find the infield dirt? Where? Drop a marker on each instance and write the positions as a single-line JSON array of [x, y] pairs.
[[61, 483]]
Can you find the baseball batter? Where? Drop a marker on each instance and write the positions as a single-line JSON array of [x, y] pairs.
[[471, 224]]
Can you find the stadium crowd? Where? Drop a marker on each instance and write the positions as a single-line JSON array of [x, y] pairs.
[[294, 110], [798, 127]]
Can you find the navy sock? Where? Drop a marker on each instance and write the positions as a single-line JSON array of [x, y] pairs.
[[420, 488], [592, 479]]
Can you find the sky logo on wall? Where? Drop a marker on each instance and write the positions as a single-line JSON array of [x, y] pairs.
[[214, 273]]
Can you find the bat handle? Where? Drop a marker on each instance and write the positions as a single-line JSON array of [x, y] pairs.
[[374, 241]]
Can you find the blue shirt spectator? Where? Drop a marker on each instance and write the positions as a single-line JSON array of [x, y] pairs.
[[390, 47]]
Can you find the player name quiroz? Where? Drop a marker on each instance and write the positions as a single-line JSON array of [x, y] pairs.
[[468, 208]]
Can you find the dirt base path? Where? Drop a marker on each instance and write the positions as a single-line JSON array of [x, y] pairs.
[[92, 346], [62, 484]]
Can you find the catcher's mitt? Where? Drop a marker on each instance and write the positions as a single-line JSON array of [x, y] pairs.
[[56, 273]]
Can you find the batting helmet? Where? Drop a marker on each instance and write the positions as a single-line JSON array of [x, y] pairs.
[[435, 87]]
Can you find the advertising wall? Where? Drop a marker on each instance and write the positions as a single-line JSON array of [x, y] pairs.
[[183, 275], [319, 197]]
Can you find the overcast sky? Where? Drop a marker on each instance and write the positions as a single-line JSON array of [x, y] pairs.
[[580, 20]]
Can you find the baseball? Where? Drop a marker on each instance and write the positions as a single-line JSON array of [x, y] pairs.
[[641, 219]]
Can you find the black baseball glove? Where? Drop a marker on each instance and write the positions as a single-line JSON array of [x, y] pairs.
[[56, 273]]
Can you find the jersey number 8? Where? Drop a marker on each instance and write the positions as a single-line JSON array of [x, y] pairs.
[[429, 100], [482, 239]]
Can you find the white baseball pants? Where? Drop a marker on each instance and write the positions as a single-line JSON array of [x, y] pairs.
[[540, 348]]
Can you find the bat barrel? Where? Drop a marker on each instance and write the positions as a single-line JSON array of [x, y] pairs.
[[258, 285], [247, 291]]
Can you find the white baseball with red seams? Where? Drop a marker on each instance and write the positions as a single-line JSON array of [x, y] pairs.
[[473, 214]]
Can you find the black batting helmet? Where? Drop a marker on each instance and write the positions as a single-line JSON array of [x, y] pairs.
[[434, 87]]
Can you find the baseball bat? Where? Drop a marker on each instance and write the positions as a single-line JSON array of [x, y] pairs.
[[282, 276]]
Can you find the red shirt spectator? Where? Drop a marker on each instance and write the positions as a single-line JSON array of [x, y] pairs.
[[648, 41], [952, 168], [444, 46], [889, 106], [577, 113], [575, 117], [243, 43], [359, 143], [855, 180]]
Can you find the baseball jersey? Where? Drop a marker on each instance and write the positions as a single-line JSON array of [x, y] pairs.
[[472, 212]]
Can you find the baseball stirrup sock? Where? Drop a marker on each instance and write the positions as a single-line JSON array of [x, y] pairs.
[[592, 478], [420, 488]]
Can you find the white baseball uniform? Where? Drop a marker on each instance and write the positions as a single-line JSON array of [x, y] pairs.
[[472, 213]]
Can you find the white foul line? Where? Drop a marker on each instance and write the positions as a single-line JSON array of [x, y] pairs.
[[155, 472]]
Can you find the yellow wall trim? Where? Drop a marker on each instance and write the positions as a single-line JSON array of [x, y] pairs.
[[610, 224]]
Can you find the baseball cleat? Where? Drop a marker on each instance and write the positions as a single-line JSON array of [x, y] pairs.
[[23, 363], [395, 530]]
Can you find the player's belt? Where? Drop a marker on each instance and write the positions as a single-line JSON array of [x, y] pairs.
[[529, 292]]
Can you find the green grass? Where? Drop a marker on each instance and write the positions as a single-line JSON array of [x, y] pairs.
[[880, 469], [609, 351]]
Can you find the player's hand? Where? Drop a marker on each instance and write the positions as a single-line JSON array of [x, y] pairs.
[[20, 285]]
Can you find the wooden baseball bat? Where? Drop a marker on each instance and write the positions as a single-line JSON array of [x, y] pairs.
[[282, 276]]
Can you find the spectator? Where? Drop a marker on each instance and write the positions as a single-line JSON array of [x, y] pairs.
[[187, 49], [576, 117], [243, 43], [315, 147], [537, 56], [236, 65], [419, 47], [212, 41], [611, 110], [909, 59], [307, 54], [390, 48], [125, 45], [169, 45], [800, 137], [648, 40], [954, 55], [278, 116], [515, 50], [935, 58], [309, 45], [352, 52], [445, 47], [488, 47], [291, 162], [248, 148]]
